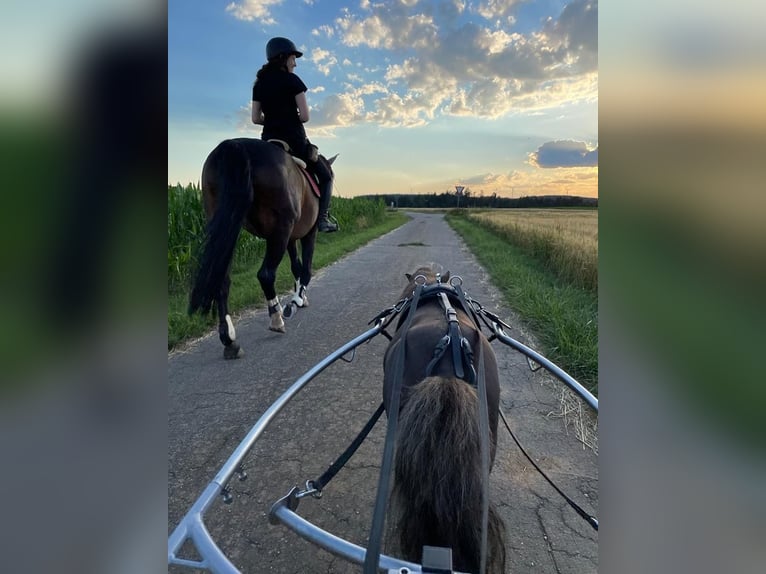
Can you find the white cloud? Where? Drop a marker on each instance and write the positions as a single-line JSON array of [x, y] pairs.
[[250, 10], [323, 59], [388, 29], [338, 110], [477, 69], [492, 9], [497, 41], [324, 31]]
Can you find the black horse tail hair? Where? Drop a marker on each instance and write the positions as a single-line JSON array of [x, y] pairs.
[[438, 485], [229, 166]]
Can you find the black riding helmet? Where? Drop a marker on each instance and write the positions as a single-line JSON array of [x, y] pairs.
[[278, 46]]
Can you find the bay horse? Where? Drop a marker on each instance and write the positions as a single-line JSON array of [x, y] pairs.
[[437, 476], [257, 185]]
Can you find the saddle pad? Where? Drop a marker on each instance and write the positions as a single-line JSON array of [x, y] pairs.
[[311, 181]]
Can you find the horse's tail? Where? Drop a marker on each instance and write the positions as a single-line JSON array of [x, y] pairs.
[[438, 478], [229, 167]]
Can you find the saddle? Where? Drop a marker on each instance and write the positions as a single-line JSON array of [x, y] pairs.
[[300, 163], [285, 146]]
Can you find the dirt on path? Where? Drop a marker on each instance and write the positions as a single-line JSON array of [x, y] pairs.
[[213, 403]]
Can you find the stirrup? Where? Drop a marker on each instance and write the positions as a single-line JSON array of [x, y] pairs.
[[329, 223]]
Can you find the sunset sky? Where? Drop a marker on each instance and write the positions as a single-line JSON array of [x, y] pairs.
[[416, 96]]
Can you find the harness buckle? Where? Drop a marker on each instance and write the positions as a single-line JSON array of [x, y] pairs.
[[310, 490]]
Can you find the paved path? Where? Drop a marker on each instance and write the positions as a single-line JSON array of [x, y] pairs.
[[213, 404]]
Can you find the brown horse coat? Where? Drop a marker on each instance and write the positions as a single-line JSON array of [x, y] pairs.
[[254, 184], [438, 476]]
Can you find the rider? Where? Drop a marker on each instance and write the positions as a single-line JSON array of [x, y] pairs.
[[279, 104]]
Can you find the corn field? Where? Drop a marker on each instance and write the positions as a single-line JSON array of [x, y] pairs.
[[186, 231]]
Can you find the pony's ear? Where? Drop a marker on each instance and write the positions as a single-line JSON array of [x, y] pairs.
[[445, 277], [408, 276]]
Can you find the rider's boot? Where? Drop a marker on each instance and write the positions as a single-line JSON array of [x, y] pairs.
[[324, 224]]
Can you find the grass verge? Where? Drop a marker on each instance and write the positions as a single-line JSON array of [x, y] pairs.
[[563, 317]]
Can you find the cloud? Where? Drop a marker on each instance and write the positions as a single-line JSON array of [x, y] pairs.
[[474, 69], [390, 27], [564, 153], [520, 183], [337, 110], [576, 30], [323, 59], [449, 11], [493, 9], [324, 31], [436, 65], [250, 10]]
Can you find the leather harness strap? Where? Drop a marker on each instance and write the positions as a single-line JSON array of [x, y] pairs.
[[484, 439], [462, 354], [372, 555]]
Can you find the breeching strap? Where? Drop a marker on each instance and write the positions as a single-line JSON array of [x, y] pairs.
[[372, 556]]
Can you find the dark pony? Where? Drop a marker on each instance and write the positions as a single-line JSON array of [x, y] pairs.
[[438, 477], [257, 185]]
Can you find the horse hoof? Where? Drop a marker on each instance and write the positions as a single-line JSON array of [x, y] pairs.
[[233, 351]]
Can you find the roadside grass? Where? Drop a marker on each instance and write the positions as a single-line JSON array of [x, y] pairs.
[[562, 315], [246, 291]]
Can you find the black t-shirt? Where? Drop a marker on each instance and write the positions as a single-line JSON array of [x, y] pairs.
[[276, 91]]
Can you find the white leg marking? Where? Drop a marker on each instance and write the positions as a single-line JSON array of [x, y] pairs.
[[230, 325]]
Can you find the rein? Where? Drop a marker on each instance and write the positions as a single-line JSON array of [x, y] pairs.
[[372, 556]]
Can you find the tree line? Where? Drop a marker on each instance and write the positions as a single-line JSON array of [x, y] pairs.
[[467, 199]]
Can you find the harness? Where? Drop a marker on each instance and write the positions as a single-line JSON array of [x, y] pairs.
[[462, 359], [462, 354]]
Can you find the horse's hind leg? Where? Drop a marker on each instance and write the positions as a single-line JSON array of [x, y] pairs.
[[226, 332], [267, 276], [300, 297], [307, 254]]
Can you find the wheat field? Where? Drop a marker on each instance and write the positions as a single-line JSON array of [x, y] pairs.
[[566, 240]]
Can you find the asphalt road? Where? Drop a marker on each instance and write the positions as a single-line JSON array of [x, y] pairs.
[[213, 404]]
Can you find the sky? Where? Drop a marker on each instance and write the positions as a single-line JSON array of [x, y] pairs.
[[416, 96]]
